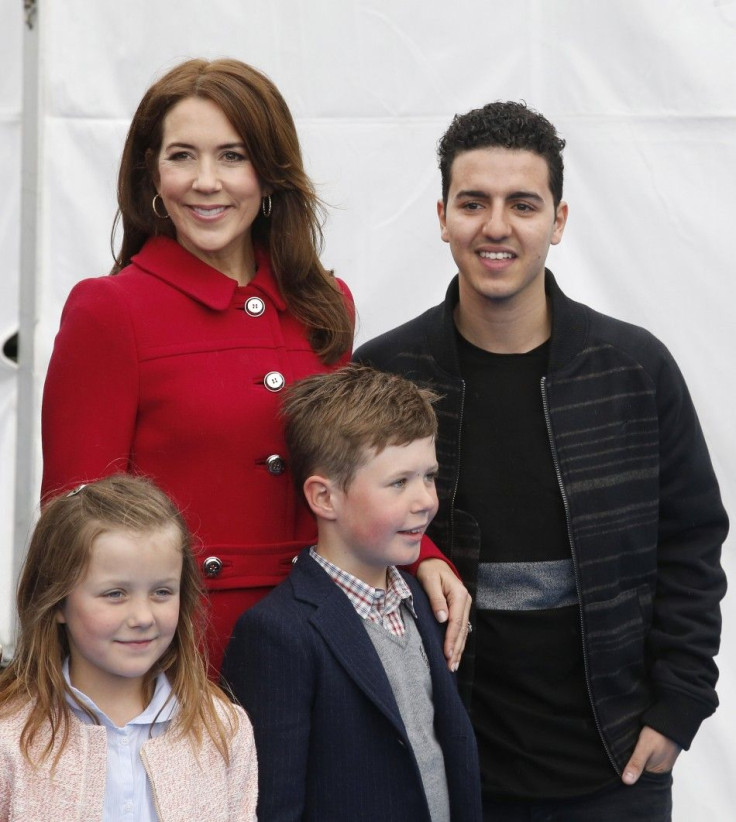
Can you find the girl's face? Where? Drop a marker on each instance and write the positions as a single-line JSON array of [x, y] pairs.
[[122, 616]]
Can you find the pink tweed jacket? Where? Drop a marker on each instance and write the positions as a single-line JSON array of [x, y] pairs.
[[188, 783]]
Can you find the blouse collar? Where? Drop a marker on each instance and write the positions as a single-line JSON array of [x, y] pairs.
[[161, 708]]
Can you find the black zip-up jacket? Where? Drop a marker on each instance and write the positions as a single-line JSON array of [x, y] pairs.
[[644, 513]]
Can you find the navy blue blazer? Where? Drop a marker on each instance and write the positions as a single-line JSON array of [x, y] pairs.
[[331, 744]]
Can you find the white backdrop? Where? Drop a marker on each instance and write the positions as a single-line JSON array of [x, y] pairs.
[[643, 90], [10, 150]]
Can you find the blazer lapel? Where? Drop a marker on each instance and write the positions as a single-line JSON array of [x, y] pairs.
[[336, 621]]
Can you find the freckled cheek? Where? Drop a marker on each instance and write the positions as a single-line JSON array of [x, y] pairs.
[[102, 629], [86, 635], [370, 532], [374, 529], [172, 621], [173, 189]]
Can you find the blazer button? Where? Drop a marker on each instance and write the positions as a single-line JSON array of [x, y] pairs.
[[275, 465], [212, 566], [274, 381], [254, 307]]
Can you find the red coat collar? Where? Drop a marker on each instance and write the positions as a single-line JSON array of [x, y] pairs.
[[166, 259]]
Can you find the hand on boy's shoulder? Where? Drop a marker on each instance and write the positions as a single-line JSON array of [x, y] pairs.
[[447, 593]]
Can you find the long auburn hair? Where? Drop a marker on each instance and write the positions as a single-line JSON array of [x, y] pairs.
[[293, 232], [57, 559]]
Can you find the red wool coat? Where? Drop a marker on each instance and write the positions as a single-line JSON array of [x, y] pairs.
[[172, 370]]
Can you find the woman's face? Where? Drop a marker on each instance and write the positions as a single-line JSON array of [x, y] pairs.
[[209, 187]]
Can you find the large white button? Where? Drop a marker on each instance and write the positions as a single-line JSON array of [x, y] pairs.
[[274, 381], [254, 306]]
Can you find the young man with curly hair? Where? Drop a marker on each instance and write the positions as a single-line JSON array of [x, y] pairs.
[[577, 499]]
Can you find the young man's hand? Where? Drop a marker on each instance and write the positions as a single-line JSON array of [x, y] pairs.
[[653, 752], [447, 595]]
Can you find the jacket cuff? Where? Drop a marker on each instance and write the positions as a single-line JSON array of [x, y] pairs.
[[677, 717]]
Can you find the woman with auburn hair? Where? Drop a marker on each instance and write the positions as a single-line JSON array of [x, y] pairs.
[[173, 367]]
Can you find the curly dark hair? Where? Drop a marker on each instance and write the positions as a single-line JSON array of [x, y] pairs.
[[503, 125]]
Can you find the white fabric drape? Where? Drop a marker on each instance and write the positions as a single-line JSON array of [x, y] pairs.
[[643, 90]]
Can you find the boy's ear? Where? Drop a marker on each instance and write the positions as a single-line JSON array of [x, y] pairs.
[[319, 493]]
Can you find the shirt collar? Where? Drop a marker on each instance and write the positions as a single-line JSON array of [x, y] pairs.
[[365, 598], [164, 258], [157, 711]]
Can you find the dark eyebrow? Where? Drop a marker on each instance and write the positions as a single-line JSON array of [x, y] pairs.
[[476, 195], [514, 195], [525, 195], [223, 147]]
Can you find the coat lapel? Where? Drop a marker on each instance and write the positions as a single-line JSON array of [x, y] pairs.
[[336, 621]]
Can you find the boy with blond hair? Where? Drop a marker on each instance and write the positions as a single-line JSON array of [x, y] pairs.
[[340, 668]]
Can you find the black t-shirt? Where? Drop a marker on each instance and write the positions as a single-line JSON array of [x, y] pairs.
[[531, 710]]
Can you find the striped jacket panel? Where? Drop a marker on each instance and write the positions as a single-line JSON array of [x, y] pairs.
[[644, 513]]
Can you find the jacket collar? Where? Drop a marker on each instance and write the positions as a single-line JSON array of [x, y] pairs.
[[570, 326], [335, 619], [165, 259]]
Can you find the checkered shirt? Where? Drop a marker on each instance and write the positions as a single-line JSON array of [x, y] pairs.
[[375, 604]]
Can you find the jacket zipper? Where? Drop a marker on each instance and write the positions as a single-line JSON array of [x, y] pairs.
[[566, 506], [457, 471]]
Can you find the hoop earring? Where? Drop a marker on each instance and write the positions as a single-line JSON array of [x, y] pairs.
[[266, 206], [153, 206]]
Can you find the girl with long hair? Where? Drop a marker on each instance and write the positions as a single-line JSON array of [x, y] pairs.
[[106, 708]]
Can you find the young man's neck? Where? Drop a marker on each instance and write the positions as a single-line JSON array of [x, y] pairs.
[[505, 327]]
